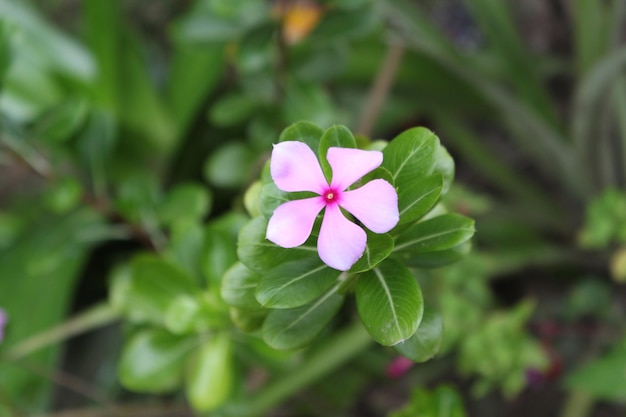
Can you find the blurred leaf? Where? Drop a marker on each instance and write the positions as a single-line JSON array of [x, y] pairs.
[[194, 72], [50, 254], [239, 287], [233, 109], [308, 101], [185, 246], [188, 201], [248, 320], [257, 49], [220, 247], [295, 283], [439, 233], [96, 145], [444, 401], [64, 195], [389, 302], [340, 25], [230, 165], [209, 376], [62, 122], [297, 327], [592, 29], [251, 199], [604, 377], [152, 361], [426, 341], [155, 284]]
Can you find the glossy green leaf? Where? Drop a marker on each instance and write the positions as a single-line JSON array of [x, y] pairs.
[[417, 198], [261, 255], [426, 341], [390, 303], [436, 259], [239, 287], [209, 376], [155, 284], [220, 243], [185, 201], [411, 155], [306, 132], [436, 234], [295, 283], [297, 327], [335, 136], [153, 361], [378, 247]]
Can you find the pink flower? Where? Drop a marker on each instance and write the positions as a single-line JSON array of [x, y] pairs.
[[294, 167], [3, 321], [399, 366]]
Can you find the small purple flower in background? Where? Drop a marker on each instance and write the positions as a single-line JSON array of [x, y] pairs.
[[398, 367], [3, 321], [294, 167]]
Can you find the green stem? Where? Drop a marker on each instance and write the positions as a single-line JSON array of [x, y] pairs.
[[96, 316], [577, 404], [327, 358]]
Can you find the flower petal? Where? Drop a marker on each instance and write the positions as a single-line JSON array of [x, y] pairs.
[[375, 205], [292, 222], [294, 167], [341, 243], [351, 164]]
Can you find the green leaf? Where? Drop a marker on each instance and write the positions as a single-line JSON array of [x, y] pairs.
[[186, 201], [297, 327], [233, 109], [295, 283], [410, 156], [220, 243], [426, 341], [442, 402], [308, 101], [261, 255], [378, 247], [153, 361], [230, 165], [436, 259], [155, 284], [417, 198], [436, 234], [272, 197], [335, 136], [62, 122], [306, 132], [604, 377], [445, 167], [209, 376], [248, 320], [390, 303], [239, 287]]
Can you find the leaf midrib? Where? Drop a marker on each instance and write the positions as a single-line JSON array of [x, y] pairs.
[[432, 236], [390, 298]]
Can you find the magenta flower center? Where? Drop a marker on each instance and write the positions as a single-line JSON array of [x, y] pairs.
[[331, 196]]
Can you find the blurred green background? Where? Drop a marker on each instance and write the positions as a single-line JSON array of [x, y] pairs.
[[132, 128]]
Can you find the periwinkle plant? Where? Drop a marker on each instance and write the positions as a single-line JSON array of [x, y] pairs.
[[334, 218]]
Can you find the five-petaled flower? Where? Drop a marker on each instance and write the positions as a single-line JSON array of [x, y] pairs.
[[294, 167]]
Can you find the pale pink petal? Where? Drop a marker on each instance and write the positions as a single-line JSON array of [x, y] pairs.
[[294, 167], [349, 165], [375, 205], [292, 222], [341, 243]]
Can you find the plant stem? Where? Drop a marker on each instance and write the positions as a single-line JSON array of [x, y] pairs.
[[336, 351], [97, 316]]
